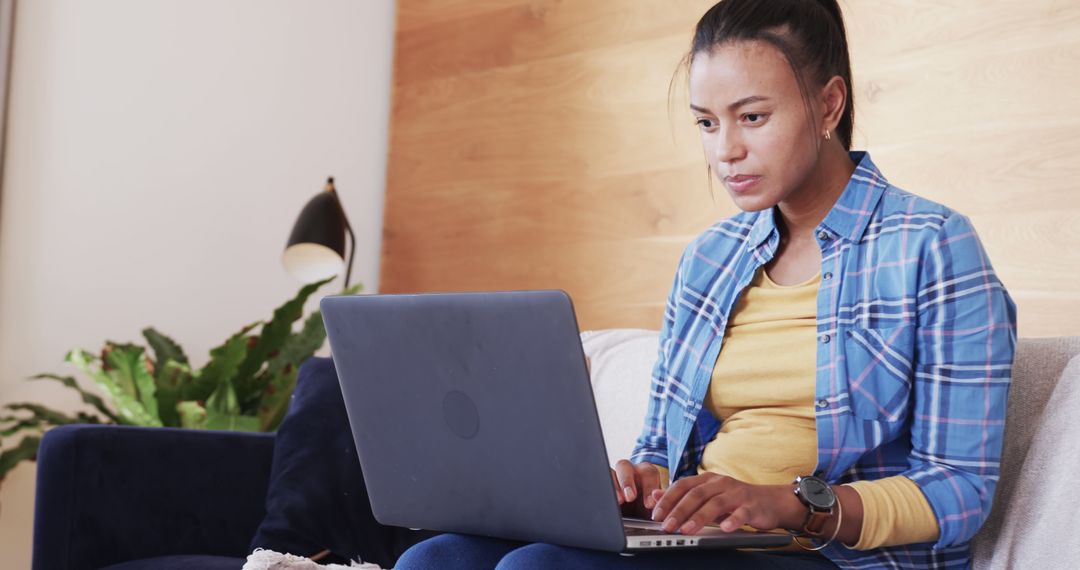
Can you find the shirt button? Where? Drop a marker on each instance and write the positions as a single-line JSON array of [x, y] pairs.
[[827, 276], [823, 235], [822, 403], [825, 339]]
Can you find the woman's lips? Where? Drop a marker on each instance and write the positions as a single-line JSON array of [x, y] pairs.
[[741, 183]]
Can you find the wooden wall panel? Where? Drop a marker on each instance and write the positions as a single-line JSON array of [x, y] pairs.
[[534, 144]]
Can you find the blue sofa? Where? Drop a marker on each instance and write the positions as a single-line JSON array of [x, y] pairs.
[[127, 498], [148, 497]]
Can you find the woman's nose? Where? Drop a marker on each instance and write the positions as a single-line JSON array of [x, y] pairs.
[[729, 146]]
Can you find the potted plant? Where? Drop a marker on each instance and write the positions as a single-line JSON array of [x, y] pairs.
[[245, 386]]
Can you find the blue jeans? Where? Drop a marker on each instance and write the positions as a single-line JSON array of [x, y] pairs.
[[456, 551]]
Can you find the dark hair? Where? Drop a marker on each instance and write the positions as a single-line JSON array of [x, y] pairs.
[[809, 33]]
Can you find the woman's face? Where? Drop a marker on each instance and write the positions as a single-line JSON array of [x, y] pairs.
[[753, 122]]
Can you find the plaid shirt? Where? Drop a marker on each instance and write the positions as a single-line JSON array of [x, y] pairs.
[[914, 355]]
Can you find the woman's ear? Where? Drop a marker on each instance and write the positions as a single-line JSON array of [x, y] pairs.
[[834, 96]]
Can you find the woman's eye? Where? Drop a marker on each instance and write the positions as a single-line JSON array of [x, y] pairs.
[[705, 123], [754, 117]]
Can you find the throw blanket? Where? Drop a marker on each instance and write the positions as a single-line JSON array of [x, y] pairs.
[[269, 560]]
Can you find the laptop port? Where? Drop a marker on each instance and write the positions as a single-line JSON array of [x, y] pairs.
[[680, 542]]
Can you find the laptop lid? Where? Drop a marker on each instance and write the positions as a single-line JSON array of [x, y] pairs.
[[473, 413]]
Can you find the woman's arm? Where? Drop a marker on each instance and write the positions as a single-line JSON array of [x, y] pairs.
[[965, 340]]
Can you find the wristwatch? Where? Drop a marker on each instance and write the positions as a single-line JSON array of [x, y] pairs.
[[819, 498]]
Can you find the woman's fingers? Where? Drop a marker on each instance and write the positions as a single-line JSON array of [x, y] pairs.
[[618, 488], [693, 502], [626, 480], [677, 500], [649, 483], [714, 508], [736, 519]]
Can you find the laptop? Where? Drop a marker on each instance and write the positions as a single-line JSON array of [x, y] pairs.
[[473, 413]]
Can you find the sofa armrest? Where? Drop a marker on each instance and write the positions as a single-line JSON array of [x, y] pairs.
[[109, 494]]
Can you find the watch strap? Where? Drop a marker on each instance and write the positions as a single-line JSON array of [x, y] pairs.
[[815, 522]]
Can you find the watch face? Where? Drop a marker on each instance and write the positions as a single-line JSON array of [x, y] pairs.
[[817, 492]]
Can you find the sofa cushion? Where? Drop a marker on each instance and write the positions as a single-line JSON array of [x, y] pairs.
[[317, 498], [620, 363], [1035, 504]]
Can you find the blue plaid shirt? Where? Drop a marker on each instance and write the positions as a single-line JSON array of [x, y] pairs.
[[914, 355]]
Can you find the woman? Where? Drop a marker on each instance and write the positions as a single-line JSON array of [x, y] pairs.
[[839, 330]]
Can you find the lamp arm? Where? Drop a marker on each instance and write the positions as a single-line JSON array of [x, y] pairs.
[[352, 249], [348, 228]]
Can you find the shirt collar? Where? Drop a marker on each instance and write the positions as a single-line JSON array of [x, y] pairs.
[[850, 215]]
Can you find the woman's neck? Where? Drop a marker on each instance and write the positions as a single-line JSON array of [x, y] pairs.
[[802, 212]]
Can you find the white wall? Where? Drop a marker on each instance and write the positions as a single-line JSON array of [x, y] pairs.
[[157, 156]]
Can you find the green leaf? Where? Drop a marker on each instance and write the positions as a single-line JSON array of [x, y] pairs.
[[43, 413], [26, 450], [224, 362], [271, 338], [352, 290], [171, 380], [88, 363], [231, 422], [129, 410], [223, 400], [174, 376], [192, 414], [85, 418], [165, 348], [39, 426], [32, 422], [275, 399], [87, 397], [128, 367], [276, 383], [298, 348]]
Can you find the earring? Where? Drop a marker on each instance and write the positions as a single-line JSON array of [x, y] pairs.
[[828, 136]]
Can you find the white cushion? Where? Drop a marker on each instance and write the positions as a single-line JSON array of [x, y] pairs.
[[1039, 526], [621, 363]]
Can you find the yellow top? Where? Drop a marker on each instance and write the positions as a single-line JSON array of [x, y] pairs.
[[763, 389], [763, 386]]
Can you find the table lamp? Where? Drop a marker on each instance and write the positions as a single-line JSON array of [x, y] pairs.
[[316, 247]]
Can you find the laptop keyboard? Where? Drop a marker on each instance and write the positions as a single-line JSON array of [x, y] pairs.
[[636, 531]]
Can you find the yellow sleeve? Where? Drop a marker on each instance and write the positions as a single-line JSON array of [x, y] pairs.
[[895, 512], [665, 477]]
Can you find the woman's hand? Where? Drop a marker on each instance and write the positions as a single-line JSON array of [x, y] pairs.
[[692, 502], [635, 485]]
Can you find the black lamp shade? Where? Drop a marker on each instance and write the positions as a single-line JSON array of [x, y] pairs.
[[316, 246]]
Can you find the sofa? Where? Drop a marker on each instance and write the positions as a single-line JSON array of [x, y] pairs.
[[128, 497]]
